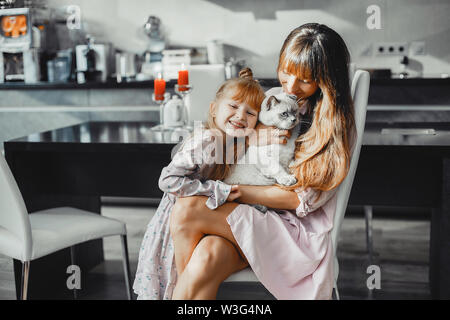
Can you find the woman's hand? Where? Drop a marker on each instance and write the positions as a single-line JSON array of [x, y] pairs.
[[235, 193], [264, 135]]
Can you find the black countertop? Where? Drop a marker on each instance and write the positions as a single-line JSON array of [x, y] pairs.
[[147, 84], [265, 82], [410, 91], [111, 84], [90, 136], [97, 136]]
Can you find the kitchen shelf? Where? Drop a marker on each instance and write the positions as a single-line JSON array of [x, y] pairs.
[[393, 91], [410, 81], [148, 84]]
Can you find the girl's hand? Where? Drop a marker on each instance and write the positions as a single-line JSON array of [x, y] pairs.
[[235, 193], [264, 135]]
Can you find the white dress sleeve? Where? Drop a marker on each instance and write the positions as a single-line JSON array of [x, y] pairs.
[[193, 156], [309, 202]]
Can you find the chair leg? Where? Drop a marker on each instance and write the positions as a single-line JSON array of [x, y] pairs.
[[368, 213], [126, 265], [336, 291], [25, 276], [73, 261]]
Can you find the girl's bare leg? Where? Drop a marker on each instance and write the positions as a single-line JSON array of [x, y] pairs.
[[191, 220], [214, 259]]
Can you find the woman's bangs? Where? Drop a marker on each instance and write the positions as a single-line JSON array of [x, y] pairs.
[[298, 63]]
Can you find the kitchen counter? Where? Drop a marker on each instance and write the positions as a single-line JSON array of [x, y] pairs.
[[265, 82], [103, 85], [426, 91], [92, 135], [430, 134], [73, 85], [410, 91]]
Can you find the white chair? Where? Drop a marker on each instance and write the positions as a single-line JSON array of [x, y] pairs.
[[360, 93], [28, 237], [205, 80]]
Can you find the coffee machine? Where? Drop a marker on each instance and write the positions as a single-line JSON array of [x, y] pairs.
[[19, 46], [93, 61]]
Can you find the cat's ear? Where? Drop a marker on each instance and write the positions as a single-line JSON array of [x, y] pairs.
[[271, 101]]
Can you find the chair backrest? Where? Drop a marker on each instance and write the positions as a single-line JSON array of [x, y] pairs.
[[205, 80], [13, 213], [360, 94]]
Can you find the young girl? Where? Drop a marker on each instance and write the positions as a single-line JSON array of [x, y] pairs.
[[233, 113], [289, 250]]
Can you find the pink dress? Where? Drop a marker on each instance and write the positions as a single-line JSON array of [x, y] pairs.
[[290, 252]]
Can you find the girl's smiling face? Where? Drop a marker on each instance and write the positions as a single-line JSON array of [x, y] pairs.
[[235, 118], [302, 88]]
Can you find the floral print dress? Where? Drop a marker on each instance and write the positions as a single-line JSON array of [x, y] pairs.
[[156, 273]]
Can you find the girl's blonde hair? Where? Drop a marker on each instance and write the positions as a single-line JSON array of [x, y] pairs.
[[322, 155], [245, 89]]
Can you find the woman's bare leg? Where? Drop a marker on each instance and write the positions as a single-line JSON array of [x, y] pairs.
[[214, 259], [191, 220]]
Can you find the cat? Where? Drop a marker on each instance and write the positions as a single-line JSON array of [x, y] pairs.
[[272, 161]]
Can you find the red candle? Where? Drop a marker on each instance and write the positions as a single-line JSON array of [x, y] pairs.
[[160, 87], [183, 79]]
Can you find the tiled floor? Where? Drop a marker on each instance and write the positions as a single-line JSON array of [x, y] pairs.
[[401, 251]]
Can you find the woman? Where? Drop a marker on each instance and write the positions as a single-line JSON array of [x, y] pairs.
[[289, 250]]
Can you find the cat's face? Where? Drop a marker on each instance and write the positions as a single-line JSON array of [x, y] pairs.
[[281, 111]]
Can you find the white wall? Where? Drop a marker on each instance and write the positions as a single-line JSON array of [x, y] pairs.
[[255, 29]]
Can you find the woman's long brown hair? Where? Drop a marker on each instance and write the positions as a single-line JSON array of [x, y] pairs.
[[322, 155]]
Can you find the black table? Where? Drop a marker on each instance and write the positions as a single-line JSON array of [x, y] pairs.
[[76, 165]]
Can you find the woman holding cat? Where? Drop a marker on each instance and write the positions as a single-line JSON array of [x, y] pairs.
[[289, 249]]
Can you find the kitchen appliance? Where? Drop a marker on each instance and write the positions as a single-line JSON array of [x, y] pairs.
[[125, 66], [93, 61], [6, 4], [19, 46], [215, 52], [173, 60], [59, 69], [232, 68], [174, 113], [152, 57], [156, 39]]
